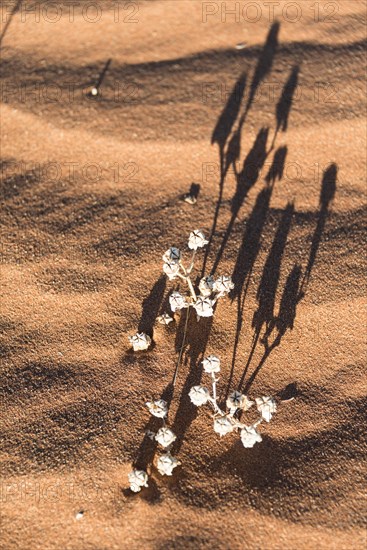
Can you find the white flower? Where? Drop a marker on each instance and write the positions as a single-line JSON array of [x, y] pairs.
[[204, 306], [158, 408], [164, 319], [172, 255], [140, 341], [199, 395], [249, 436], [223, 284], [177, 301], [171, 269], [191, 199], [211, 364], [223, 425], [165, 437], [197, 240], [206, 285], [166, 463], [137, 480], [266, 406], [237, 400]]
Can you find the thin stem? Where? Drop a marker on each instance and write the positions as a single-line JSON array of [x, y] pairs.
[[191, 288], [192, 261], [214, 387], [182, 347], [183, 268]]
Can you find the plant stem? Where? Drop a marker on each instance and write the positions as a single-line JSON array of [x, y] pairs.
[[192, 261], [214, 387], [182, 347], [191, 288]]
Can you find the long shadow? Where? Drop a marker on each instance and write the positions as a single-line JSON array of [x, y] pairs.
[[220, 136], [250, 246], [294, 290], [268, 285], [151, 306], [6, 26], [283, 321], [263, 68], [264, 63], [245, 179], [328, 189], [285, 102]]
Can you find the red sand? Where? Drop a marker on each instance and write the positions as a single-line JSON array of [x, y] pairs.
[[81, 271]]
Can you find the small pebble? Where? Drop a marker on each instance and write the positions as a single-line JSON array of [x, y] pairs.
[[94, 91], [240, 46], [79, 515]]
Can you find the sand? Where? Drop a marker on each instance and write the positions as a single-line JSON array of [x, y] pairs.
[[92, 196]]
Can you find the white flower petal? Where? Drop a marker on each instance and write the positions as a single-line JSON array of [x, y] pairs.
[[237, 400], [197, 240], [211, 364], [165, 436], [199, 395], [204, 306], [140, 341], [266, 406], [137, 480], [177, 301], [223, 425], [206, 285], [173, 254], [166, 464], [164, 319], [249, 436], [223, 284], [158, 408], [171, 269]]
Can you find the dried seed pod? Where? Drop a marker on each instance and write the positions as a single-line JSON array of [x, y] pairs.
[[206, 285], [223, 284], [164, 319], [237, 400], [211, 364], [197, 240], [166, 464], [199, 395], [158, 408], [223, 425], [140, 341], [249, 436], [177, 301], [137, 480], [204, 306], [266, 407], [165, 436]]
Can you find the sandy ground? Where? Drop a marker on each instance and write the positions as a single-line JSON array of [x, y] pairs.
[[92, 196]]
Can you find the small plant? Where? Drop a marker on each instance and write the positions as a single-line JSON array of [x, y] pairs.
[[227, 421], [201, 299]]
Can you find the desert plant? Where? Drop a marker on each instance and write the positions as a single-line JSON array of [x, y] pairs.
[[202, 300]]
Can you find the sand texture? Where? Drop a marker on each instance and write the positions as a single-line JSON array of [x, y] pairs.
[[271, 136]]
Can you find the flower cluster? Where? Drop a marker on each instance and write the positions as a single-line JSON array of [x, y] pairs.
[[210, 289], [165, 437], [225, 419], [225, 422]]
